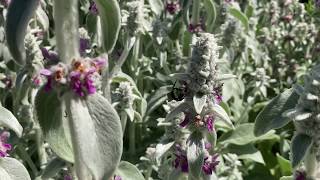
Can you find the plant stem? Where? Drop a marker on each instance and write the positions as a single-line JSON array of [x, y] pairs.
[[25, 156], [66, 18], [311, 164], [117, 67], [195, 12], [132, 138]]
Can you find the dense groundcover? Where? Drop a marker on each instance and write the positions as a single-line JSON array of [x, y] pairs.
[[159, 89]]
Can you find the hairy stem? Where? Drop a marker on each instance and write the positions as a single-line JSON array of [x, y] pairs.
[[66, 17]]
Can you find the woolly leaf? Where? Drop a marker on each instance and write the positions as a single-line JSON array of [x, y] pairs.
[[51, 115], [19, 14], [12, 169], [52, 168], [211, 13], [271, 116], [299, 146], [243, 134], [127, 170], [156, 6], [109, 12], [96, 136], [221, 114], [195, 154], [8, 120], [199, 102], [241, 17]]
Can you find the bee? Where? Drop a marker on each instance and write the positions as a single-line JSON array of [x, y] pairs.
[[177, 93]]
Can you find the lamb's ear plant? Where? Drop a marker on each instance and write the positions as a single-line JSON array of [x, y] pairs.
[[79, 123], [191, 136], [300, 105]]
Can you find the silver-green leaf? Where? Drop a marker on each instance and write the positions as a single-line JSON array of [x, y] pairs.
[[96, 136], [12, 169], [299, 146], [271, 116], [109, 12], [19, 14], [8, 120]]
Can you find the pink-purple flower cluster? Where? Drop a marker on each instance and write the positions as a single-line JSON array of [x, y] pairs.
[[4, 146], [172, 7], [181, 162], [195, 28], [93, 8], [207, 121], [80, 76], [300, 175]]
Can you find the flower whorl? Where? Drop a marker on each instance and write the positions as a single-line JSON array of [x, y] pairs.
[[202, 68]]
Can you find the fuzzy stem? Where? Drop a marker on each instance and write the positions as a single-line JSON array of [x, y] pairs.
[[195, 12], [311, 165], [123, 118], [66, 22], [132, 138], [117, 67]]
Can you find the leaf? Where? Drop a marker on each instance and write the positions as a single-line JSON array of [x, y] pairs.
[[19, 14], [195, 154], [179, 109], [158, 98], [287, 178], [241, 17], [156, 6], [161, 149], [211, 13], [109, 12], [246, 152], [271, 116], [285, 165], [299, 146], [12, 169], [243, 134], [53, 167], [221, 114], [96, 136], [130, 113], [42, 18], [66, 19], [127, 170], [8, 120], [199, 102], [51, 116]]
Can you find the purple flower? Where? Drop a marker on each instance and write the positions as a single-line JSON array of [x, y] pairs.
[[5, 3], [84, 45], [67, 177], [181, 161], [76, 83], [49, 55], [93, 8], [99, 63], [210, 123], [187, 119], [195, 28], [210, 164], [172, 7], [116, 177], [217, 93], [4, 147], [300, 175], [207, 146], [89, 84], [317, 3]]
